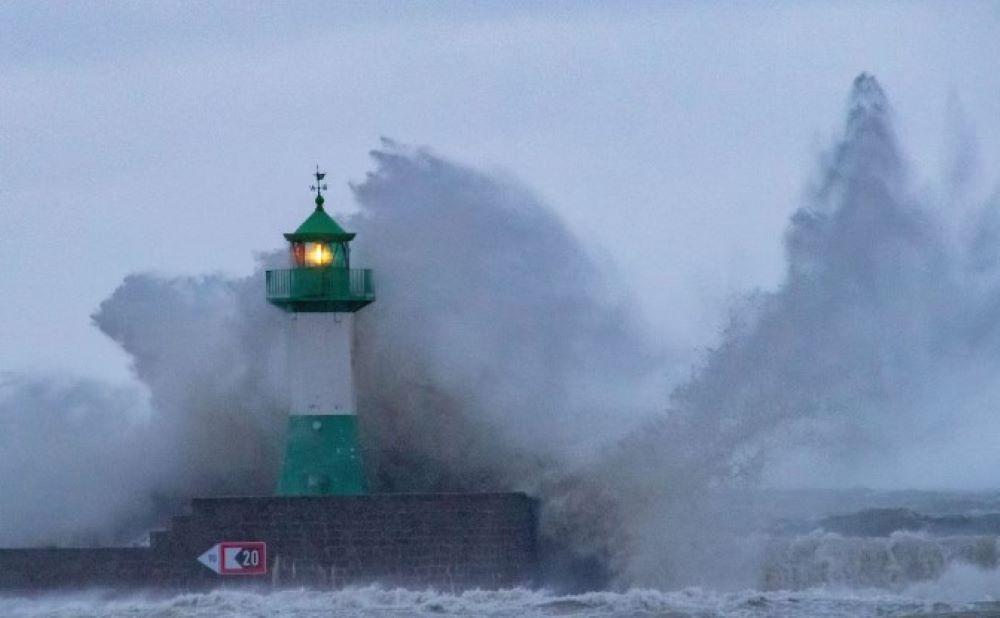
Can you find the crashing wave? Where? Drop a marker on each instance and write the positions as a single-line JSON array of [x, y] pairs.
[[894, 562]]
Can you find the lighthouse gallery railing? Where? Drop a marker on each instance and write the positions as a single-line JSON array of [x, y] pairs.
[[321, 284]]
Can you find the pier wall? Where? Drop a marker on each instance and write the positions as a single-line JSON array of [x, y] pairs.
[[446, 541]]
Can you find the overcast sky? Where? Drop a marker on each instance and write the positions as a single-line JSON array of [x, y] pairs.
[[676, 138]]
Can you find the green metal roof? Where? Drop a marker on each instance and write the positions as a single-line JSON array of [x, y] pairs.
[[320, 226]]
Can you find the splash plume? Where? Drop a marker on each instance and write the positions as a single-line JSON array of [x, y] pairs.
[[474, 373], [866, 367], [500, 356]]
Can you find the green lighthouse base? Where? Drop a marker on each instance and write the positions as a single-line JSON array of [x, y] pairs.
[[322, 457]]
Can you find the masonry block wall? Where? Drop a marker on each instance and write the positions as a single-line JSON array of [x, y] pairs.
[[447, 541]]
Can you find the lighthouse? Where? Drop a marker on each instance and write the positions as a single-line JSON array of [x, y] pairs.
[[320, 293]]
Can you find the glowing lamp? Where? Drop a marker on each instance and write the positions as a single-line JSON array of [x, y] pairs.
[[312, 254]]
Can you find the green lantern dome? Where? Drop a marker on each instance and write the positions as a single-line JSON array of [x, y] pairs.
[[320, 227]]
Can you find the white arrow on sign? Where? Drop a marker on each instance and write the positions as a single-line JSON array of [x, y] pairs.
[[211, 558], [236, 558]]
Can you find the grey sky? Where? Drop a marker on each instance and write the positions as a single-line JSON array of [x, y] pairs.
[[178, 137]]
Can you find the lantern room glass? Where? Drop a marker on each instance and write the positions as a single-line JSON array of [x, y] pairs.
[[319, 254]]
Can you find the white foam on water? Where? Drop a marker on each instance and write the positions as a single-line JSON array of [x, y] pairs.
[[960, 583], [892, 563], [378, 601]]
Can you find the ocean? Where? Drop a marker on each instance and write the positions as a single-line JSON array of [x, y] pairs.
[[945, 599]]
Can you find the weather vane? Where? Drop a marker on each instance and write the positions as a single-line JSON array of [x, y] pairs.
[[320, 186]]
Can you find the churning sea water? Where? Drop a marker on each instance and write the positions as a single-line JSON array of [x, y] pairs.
[[377, 602]]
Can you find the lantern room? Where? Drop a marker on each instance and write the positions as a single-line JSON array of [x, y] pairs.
[[320, 242]]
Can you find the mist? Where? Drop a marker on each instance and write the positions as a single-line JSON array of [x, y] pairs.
[[497, 342], [502, 354], [872, 365], [498, 353]]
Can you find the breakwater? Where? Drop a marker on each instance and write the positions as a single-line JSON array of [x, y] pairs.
[[448, 541]]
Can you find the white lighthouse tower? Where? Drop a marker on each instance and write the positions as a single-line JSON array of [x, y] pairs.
[[321, 293]]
